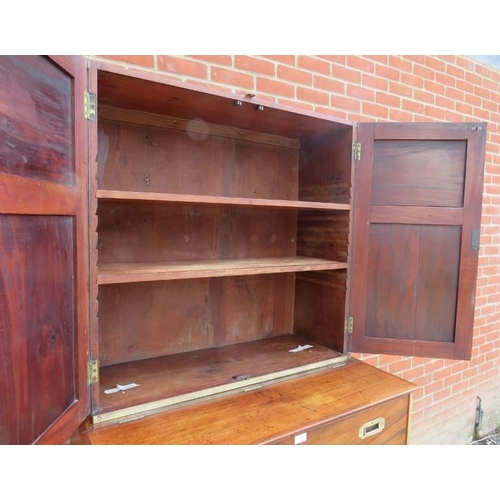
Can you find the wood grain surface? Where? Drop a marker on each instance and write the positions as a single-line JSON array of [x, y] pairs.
[[264, 416]]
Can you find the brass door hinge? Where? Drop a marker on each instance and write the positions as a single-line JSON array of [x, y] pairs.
[[93, 372], [349, 325], [356, 151], [90, 106]]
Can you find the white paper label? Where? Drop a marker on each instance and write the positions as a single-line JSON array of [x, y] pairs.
[[121, 388], [301, 348], [301, 438]]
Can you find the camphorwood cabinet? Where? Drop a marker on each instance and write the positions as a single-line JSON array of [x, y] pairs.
[[171, 252]]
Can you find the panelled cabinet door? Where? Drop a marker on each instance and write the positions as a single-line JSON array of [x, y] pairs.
[[416, 219], [43, 249]]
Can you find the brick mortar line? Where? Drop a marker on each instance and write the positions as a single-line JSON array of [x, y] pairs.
[[211, 64]]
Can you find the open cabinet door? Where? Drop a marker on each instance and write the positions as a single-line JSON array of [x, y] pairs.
[[43, 249], [416, 220]]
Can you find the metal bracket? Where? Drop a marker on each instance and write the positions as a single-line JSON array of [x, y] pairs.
[[349, 325], [92, 372], [90, 106], [356, 151]]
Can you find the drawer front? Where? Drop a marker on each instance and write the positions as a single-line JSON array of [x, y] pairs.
[[385, 423]]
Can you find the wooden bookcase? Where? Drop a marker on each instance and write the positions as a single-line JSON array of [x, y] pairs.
[[212, 260], [222, 239]]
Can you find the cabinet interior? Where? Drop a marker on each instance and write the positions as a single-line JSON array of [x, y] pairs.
[[222, 243]]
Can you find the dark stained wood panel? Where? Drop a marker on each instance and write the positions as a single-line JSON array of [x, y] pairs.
[[178, 375], [438, 268], [392, 281], [420, 173], [412, 293], [37, 321], [36, 119]]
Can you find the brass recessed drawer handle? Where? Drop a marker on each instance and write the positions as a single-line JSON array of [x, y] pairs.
[[371, 428]]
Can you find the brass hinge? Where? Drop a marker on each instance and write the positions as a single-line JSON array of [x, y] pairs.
[[349, 324], [90, 106], [356, 151], [93, 372]]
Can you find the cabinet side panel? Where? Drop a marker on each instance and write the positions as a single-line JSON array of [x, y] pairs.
[[325, 167], [319, 310], [323, 234], [324, 175]]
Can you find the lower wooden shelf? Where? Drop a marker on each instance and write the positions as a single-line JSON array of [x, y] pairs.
[[353, 403], [151, 271], [151, 197], [180, 378]]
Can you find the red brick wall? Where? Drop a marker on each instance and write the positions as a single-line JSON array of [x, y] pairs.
[[395, 88]]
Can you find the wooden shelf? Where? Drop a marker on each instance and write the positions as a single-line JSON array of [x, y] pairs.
[[162, 271], [136, 196], [180, 378]]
